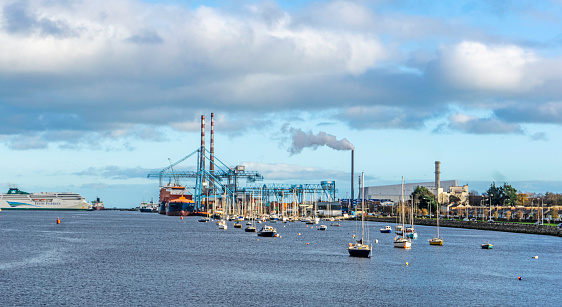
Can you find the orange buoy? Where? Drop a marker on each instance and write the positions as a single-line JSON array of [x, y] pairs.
[[306, 243], [58, 220], [519, 277], [181, 217]]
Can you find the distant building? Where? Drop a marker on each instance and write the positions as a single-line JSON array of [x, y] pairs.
[[392, 193], [332, 208]]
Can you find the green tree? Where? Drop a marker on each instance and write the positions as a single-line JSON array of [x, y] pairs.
[[495, 193], [509, 194], [505, 194], [424, 198]]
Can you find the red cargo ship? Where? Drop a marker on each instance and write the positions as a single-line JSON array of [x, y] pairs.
[[175, 202]]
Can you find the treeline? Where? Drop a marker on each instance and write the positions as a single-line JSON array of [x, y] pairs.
[[507, 195]]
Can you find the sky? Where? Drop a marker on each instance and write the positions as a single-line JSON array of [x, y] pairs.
[[94, 95]]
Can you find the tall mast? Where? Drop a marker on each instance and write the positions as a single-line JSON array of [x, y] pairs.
[[362, 205], [402, 214]]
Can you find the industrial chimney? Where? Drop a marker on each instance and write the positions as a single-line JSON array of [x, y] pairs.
[[202, 162], [212, 166], [352, 178]]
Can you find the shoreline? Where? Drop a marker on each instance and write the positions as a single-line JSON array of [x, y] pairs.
[[496, 226]]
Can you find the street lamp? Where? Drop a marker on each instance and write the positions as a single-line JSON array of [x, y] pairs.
[[491, 195]]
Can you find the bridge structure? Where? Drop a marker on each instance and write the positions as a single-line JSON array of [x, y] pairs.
[[326, 190]]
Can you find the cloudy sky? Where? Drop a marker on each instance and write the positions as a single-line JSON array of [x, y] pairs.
[[94, 95]]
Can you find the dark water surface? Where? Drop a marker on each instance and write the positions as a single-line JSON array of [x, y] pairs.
[[113, 258]]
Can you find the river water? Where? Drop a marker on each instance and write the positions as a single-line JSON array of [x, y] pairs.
[[115, 258]]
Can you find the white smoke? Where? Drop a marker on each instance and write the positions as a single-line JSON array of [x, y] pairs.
[[301, 139]]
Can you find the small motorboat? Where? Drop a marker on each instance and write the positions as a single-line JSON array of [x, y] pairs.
[[335, 224], [267, 231], [203, 220], [237, 225], [487, 246], [322, 227], [386, 229]]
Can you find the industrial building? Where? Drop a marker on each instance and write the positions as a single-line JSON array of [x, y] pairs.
[[442, 189]]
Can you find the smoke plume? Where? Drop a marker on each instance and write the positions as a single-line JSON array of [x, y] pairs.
[[301, 139]]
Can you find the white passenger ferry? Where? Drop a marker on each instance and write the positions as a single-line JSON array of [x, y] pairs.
[[17, 199]]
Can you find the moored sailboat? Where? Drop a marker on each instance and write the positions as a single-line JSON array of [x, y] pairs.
[[437, 240], [402, 242], [360, 249]]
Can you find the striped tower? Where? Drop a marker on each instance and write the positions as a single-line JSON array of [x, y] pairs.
[[212, 166], [203, 146]]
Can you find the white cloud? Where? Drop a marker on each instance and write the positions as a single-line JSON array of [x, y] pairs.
[[282, 171], [475, 125], [112, 35], [473, 65]]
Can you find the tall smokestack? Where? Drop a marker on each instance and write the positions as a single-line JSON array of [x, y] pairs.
[[212, 166], [203, 144], [437, 178], [352, 177]]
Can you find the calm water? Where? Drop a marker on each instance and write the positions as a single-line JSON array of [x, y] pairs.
[[114, 258]]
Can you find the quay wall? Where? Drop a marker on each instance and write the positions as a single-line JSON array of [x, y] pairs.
[[497, 226]]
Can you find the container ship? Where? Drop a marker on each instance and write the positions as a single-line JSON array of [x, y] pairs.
[[175, 202], [18, 199]]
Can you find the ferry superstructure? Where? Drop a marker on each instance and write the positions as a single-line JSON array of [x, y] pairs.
[[17, 199]]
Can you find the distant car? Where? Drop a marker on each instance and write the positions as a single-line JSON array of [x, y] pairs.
[[473, 219], [560, 225], [490, 221], [466, 219]]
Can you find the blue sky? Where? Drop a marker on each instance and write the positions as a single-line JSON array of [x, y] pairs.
[[96, 94]]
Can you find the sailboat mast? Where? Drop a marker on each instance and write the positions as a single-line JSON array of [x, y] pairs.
[[402, 214]]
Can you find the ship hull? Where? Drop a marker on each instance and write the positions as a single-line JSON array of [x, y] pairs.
[[162, 208], [180, 209]]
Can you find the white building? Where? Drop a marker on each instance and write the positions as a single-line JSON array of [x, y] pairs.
[[393, 192]]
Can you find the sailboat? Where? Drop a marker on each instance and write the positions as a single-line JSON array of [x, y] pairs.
[[251, 227], [402, 242], [410, 231], [360, 249], [437, 240]]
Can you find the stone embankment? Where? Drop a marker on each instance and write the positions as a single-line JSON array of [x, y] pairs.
[[498, 226]]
